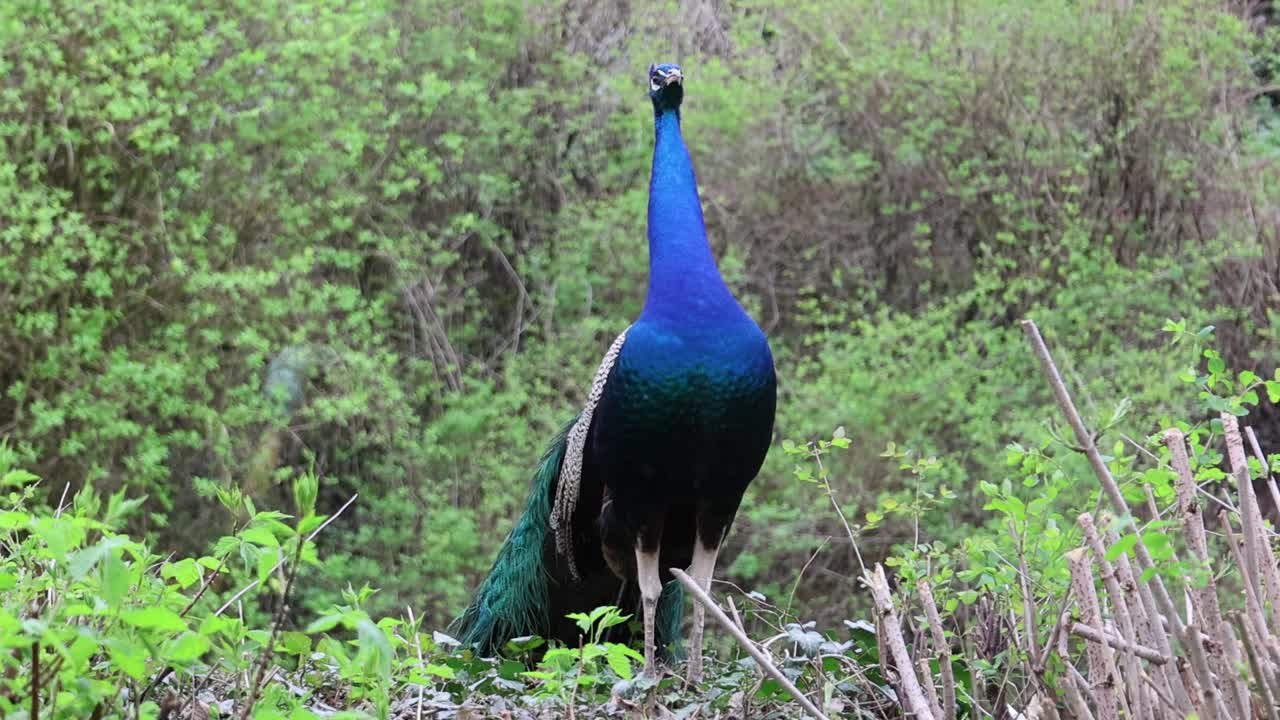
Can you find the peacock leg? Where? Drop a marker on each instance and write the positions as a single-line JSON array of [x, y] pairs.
[[704, 563], [650, 590]]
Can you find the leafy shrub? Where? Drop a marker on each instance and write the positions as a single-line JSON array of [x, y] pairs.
[[443, 205]]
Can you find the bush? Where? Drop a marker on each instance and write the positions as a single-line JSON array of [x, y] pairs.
[[443, 205]]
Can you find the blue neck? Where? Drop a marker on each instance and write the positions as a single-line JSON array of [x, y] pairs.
[[683, 278]]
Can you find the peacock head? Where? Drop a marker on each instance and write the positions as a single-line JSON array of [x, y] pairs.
[[666, 87]]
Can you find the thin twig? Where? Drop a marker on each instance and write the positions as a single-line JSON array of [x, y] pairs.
[[280, 562], [35, 681], [756, 654], [417, 645], [276, 621], [1028, 602]]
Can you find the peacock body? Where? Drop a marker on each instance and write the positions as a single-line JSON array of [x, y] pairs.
[[650, 475]]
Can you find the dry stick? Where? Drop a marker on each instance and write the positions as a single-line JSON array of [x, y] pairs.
[[1119, 606], [1211, 705], [1256, 659], [1075, 701], [1159, 698], [1260, 562], [930, 691], [1142, 625], [1206, 598], [893, 637], [941, 650], [1239, 689], [756, 654], [882, 658], [1081, 683], [1254, 615], [1151, 655], [1266, 468], [1150, 599], [1101, 663]]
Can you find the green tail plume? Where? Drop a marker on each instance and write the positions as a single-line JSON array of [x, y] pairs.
[[526, 593], [512, 601]]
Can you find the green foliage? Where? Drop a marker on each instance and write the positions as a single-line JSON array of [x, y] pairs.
[[442, 206], [565, 672]]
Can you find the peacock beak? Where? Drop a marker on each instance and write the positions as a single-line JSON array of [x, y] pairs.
[[675, 77]]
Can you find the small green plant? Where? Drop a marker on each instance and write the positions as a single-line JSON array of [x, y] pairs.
[[566, 671]]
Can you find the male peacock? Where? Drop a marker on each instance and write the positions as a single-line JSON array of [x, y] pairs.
[[650, 474]]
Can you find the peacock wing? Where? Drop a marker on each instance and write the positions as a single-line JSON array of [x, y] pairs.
[[569, 486]]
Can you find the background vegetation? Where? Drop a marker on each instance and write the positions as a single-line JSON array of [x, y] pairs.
[[437, 208]]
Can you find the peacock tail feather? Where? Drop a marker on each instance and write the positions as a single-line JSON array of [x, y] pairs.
[[512, 600], [520, 594]]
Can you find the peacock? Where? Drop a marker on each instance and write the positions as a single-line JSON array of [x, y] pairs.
[[650, 474]]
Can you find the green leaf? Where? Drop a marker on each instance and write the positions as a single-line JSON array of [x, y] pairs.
[[324, 623], [441, 671], [619, 658], [1122, 547], [267, 562], [310, 522], [13, 520], [185, 572], [82, 561], [129, 657], [115, 580], [295, 643], [186, 648], [375, 649], [524, 643], [17, 478], [582, 619], [155, 618], [215, 624], [260, 536]]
